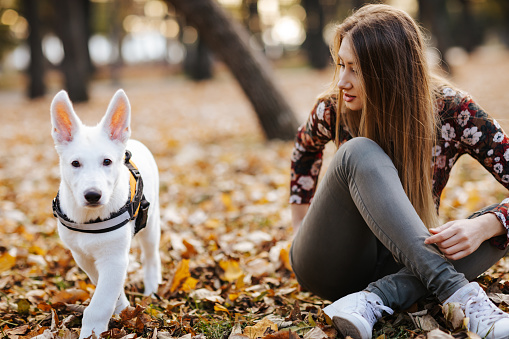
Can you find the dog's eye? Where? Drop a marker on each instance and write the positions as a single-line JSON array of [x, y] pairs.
[[75, 163], [107, 162]]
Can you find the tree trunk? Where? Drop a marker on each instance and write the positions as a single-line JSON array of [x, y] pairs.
[[36, 87], [72, 27], [433, 15], [469, 36], [317, 49], [229, 41], [198, 61]]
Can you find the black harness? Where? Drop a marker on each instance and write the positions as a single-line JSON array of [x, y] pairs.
[[136, 208]]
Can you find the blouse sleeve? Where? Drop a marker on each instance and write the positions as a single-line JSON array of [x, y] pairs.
[[482, 137], [307, 153]]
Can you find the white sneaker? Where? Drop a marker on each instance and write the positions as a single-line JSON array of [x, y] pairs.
[[486, 319], [356, 314]]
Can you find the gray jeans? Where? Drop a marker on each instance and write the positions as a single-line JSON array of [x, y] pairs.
[[362, 233]]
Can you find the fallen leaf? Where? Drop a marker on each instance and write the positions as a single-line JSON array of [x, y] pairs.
[[20, 330], [130, 313], [260, 329], [453, 314], [84, 286], [221, 308], [70, 296], [423, 320], [35, 296], [204, 294], [315, 333], [279, 321], [47, 334], [190, 250], [164, 335], [499, 298], [282, 335], [438, 334], [295, 313], [236, 329], [189, 284], [233, 296], [54, 320], [181, 274], [7, 262], [231, 270]]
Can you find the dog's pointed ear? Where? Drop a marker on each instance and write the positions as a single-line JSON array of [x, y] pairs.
[[64, 121], [117, 120]]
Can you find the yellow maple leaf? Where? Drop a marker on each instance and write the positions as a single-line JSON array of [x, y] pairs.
[[181, 274], [232, 270], [189, 284], [7, 262]]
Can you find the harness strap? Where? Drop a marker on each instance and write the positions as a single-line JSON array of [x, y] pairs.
[[136, 207], [140, 205]]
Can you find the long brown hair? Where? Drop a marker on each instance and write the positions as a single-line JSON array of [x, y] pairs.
[[397, 111]]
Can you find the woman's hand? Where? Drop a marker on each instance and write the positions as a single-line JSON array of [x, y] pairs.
[[459, 238], [298, 214]]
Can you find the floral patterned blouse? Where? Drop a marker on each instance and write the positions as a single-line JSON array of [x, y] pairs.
[[465, 129]]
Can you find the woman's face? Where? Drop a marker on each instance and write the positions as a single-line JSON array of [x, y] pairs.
[[349, 79]]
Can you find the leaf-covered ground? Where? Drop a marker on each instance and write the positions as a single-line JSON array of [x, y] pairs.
[[225, 217]]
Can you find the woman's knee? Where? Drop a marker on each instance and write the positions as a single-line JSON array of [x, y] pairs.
[[363, 154]]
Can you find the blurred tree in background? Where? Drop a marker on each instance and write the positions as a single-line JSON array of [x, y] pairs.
[[78, 37], [230, 41], [36, 85]]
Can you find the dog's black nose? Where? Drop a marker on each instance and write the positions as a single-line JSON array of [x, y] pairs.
[[92, 196]]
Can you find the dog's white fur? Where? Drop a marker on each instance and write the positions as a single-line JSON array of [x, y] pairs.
[[104, 256]]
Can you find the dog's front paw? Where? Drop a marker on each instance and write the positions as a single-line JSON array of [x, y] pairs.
[[87, 334], [122, 304], [95, 321]]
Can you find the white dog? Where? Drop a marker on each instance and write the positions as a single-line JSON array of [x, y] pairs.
[[102, 202]]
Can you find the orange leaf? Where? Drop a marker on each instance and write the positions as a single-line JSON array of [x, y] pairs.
[[70, 296], [232, 270], [284, 254], [239, 284], [44, 307], [287, 335], [181, 274], [37, 250], [221, 308], [233, 296], [7, 262], [190, 250], [84, 286], [189, 284]]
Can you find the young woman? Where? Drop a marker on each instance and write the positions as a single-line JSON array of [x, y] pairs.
[[370, 237]]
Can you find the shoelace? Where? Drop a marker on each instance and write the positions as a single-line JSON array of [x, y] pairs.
[[373, 311], [481, 308]]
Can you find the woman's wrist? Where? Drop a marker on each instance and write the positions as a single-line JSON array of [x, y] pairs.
[[491, 225]]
